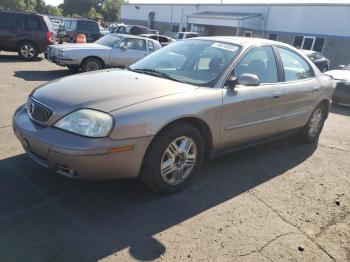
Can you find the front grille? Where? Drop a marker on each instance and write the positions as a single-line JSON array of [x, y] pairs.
[[39, 111]]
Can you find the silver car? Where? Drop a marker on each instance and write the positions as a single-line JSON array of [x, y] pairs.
[[112, 50], [162, 116]]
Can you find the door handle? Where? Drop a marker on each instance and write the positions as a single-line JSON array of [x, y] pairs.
[[315, 89], [275, 97]]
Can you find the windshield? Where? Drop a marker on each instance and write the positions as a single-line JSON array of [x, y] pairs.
[[108, 40], [198, 62]]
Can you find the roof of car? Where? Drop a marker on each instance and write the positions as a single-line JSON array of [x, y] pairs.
[[243, 41], [134, 36]]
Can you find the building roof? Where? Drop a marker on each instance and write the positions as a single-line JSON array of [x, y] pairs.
[[225, 15]]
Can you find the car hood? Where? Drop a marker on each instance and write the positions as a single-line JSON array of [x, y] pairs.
[[67, 47], [106, 90], [340, 74]]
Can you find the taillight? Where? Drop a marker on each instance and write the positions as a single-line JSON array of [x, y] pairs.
[[49, 37]]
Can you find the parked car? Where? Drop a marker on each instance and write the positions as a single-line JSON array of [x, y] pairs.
[[341, 94], [112, 50], [160, 121], [132, 29], [28, 34], [185, 35], [162, 39], [318, 59], [103, 31], [71, 28]]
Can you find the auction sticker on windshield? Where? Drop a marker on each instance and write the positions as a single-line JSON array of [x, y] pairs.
[[228, 47]]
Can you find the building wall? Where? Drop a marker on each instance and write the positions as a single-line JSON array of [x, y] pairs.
[[329, 21]]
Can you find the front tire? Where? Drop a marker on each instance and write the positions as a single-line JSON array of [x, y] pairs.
[[311, 131], [27, 51], [91, 64], [173, 159]]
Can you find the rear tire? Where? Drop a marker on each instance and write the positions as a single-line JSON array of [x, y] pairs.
[[174, 159], [27, 51], [91, 64], [311, 131]]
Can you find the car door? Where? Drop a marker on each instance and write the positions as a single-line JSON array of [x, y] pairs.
[[8, 30], [251, 112], [302, 89], [128, 51]]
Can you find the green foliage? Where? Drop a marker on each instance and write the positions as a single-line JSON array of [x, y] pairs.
[[38, 6], [93, 9]]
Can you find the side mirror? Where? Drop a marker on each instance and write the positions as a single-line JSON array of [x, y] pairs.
[[248, 80], [341, 66]]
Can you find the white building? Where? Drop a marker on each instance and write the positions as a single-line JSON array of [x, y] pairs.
[[321, 27]]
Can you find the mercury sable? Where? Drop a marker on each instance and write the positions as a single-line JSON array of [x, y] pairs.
[[162, 116]]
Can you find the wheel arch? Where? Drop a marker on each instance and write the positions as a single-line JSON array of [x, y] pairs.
[[95, 57], [326, 103], [197, 123]]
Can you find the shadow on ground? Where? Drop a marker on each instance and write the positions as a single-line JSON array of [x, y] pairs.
[[42, 75], [340, 110], [47, 217], [16, 58]]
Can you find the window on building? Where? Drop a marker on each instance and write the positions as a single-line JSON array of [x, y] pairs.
[[309, 42], [295, 67], [319, 43], [273, 36], [248, 33], [175, 28]]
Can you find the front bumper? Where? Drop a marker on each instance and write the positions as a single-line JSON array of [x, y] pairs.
[[76, 156], [62, 61]]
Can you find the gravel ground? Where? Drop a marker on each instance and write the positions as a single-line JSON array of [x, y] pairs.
[[283, 201]]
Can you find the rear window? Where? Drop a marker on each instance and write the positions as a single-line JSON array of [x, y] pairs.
[[8, 21], [88, 26]]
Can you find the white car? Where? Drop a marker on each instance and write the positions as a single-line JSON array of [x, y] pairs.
[[112, 50]]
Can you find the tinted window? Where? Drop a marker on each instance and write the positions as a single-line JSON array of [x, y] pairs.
[[88, 26], [150, 45], [163, 39], [32, 23], [8, 21], [261, 62], [295, 67], [134, 44]]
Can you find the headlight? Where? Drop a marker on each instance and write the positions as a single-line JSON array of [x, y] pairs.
[[87, 122]]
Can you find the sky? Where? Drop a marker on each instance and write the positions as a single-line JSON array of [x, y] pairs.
[[57, 2]]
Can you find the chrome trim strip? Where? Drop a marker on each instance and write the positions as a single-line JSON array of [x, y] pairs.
[[253, 123], [294, 114], [53, 111]]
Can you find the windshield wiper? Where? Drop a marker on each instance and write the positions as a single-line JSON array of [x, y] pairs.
[[155, 73]]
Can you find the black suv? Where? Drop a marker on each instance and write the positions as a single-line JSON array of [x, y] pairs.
[[26, 33], [70, 28]]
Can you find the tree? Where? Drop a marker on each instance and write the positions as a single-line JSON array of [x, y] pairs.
[[93, 14], [111, 9]]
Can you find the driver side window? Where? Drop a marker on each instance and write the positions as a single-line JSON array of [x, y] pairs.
[[259, 61]]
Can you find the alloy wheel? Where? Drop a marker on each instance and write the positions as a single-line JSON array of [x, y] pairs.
[[315, 122], [27, 51], [178, 160]]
